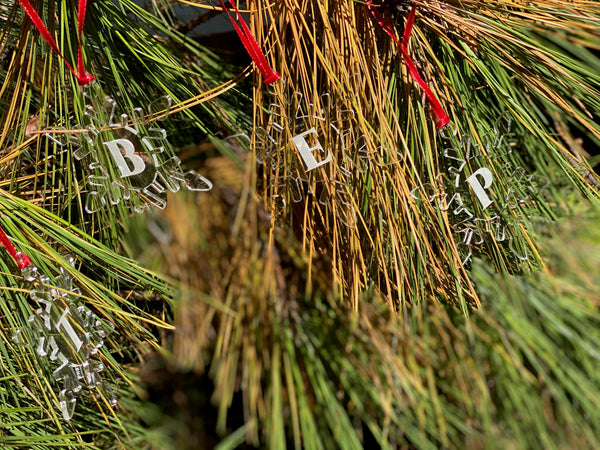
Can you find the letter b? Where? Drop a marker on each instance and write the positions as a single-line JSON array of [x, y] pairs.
[[128, 153]]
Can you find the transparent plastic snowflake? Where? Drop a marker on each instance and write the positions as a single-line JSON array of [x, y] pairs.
[[290, 148], [68, 334], [127, 158], [463, 187]]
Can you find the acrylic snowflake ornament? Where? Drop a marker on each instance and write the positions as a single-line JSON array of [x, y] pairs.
[[314, 151], [68, 334], [127, 159], [465, 189]]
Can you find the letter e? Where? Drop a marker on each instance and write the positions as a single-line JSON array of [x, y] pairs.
[[306, 151]]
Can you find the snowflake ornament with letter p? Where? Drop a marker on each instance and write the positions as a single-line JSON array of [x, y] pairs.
[[486, 194]]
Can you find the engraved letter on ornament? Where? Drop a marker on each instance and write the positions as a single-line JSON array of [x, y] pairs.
[[479, 189], [129, 153], [306, 151], [77, 342]]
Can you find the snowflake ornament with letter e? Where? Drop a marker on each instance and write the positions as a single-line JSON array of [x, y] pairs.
[[310, 152], [127, 158]]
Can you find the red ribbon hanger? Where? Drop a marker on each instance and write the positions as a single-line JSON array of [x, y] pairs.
[[82, 76], [441, 118], [250, 44], [20, 258]]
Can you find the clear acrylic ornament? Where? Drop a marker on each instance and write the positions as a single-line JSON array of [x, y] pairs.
[[126, 156], [313, 152], [465, 190], [68, 334]]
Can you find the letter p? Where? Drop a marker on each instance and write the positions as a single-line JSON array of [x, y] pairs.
[[478, 188]]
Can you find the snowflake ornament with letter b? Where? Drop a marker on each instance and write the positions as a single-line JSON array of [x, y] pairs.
[[127, 157]]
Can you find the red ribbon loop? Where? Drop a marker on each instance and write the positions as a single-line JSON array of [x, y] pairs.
[[20, 258], [82, 76], [250, 44], [441, 118]]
